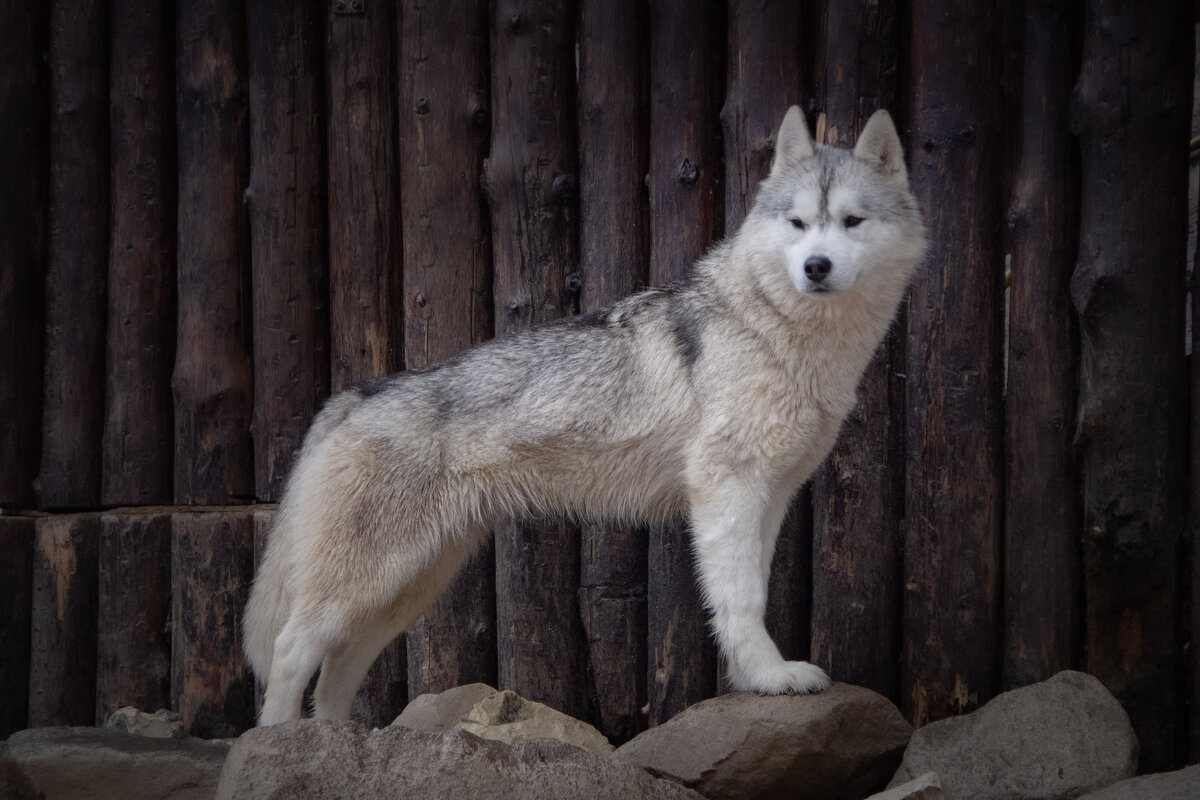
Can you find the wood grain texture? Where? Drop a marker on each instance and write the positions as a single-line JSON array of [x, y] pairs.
[[17, 536]]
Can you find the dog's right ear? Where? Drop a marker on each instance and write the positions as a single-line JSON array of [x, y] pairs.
[[880, 145], [793, 144]]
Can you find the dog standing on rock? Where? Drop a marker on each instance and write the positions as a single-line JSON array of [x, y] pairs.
[[715, 398]]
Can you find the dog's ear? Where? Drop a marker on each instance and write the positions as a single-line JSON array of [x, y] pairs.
[[880, 146], [793, 144]]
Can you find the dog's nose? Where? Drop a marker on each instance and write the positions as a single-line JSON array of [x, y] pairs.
[[817, 268]]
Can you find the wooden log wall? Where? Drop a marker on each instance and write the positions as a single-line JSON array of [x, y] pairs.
[[215, 214]]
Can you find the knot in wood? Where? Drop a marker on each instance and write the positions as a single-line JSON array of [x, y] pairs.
[[562, 188], [967, 136], [422, 105], [688, 172], [420, 299], [574, 282]]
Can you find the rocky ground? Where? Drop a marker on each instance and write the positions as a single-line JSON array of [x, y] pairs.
[[1064, 738]]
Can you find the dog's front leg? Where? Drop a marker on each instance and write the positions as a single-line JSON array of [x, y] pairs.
[[727, 524]]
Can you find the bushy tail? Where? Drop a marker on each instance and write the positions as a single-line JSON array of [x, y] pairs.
[[270, 602]]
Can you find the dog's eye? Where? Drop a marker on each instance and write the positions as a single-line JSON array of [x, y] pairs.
[[851, 221], [798, 223]]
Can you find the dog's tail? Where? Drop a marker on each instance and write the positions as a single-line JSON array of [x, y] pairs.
[[269, 604]]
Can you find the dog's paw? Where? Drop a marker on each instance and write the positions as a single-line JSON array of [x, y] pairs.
[[786, 677]]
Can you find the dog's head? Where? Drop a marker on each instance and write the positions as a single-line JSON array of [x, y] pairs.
[[838, 221]]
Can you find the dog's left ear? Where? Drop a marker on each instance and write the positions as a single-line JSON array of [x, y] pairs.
[[880, 146], [793, 144]]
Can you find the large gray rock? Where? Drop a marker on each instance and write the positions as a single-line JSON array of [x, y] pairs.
[[107, 764], [503, 716], [841, 743], [321, 760], [1056, 739], [1183, 784]]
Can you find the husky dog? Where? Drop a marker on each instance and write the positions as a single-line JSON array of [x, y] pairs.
[[715, 398]]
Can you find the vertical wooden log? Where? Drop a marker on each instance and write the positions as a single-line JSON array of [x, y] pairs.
[[1194, 516], [364, 217], [1133, 102], [364, 244], [73, 406], [137, 446], [954, 426], [133, 626], [287, 233], [532, 182], [686, 82], [1042, 568], [213, 384], [16, 613], [62, 662], [22, 245], [447, 283], [858, 496], [764, 76], [212, 562], [613, 244]]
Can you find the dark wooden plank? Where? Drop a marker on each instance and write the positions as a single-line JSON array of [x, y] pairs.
[[1042, 514], [444, 127], [954, 494], [686, 81], [1133, 102], [16, 607], [212, 563], [614, 261], [23, 93], [133, 625], [138, 425], [76, 273], [212, 382], [858, 496], [62, 661], [287, 232], [1194, 516], [532, 183], [364, 217]]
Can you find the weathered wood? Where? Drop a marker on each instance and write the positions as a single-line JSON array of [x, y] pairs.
[[212, 563], [138, 428], [444, 126], [212, 382], [614, 261], [287, 232], [62, 661], [76, 273], [364, 218], [133, 625], [954, 508], [858, 496], [1194, 516], [1133, 100], [686, 81], [16, 606], [23, 32], [532, 183], [1042, 515]]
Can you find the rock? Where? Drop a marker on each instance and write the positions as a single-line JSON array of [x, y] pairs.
[[1183, 784], [107, 764], [926, 787], [162, 724], [1055, 739], [320, 759], [841, 743], [502, 716]]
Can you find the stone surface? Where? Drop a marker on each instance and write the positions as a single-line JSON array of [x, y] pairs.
[[162, 724], [1056, 739], [841, 743], [107, 764], [1182, 784], [319, 759], [503, 716], [925, 787]]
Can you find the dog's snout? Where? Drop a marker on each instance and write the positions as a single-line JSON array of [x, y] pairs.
[[817, 268]]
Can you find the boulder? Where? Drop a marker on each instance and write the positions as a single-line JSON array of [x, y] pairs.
[[320, 760], [1056, 739], [107, 764], [841, 743], [162, 724], [926, 787], [1182, 784], [502, 716]]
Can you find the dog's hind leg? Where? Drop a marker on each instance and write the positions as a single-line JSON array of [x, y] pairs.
[[299, 649]]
